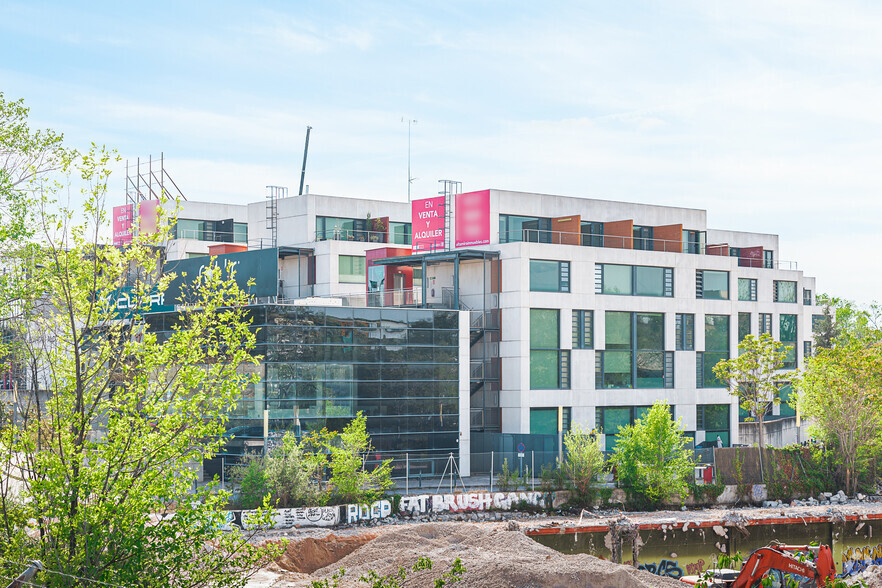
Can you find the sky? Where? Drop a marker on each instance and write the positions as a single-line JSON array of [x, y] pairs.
[[766, 113]]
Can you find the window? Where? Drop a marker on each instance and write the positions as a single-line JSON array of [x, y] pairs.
[[787, 336], [189, 229], [785, 291], [743, 325], [583, 329], [714, 420], [768, 259], [544, 421], [513, 229], [765, 323], [592, 234], [642, 238], [240, 232], [693, 241], [609, 419], [634, 356], [716, 349], [549, 276], [685, 332], [786, 395], [806, 296], [712, 285], [747, 289], [400, 233], [807, 348], [549, 365], [636, 280], [352, 269], [818, 323]]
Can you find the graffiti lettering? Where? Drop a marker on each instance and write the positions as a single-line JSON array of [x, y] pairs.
[[665, 567], [474, 501], [856, 559], [695, 569]]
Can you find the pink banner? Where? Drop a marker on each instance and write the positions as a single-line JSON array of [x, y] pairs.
[[148, 217], [473, 218], [122, 224], [427, 222]]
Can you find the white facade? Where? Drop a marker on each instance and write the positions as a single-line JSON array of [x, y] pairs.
[[297, 217]]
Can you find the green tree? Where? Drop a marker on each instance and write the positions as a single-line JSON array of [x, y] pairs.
[[96, 472], [845, 322], [841, 392], [652, 457], [754, 377], [584, 461], [293, 473], [350, 481]]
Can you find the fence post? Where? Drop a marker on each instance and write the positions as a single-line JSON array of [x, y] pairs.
[[406, 473], [491, 471], [532, 469]]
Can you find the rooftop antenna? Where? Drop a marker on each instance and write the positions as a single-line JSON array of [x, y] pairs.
[[305, 151], [410, 178]]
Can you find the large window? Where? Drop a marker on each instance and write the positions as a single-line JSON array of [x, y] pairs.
[[549, 276], [223, 231], [642, 238], [549, 364], [693, 241], [806, 296], [714, 420], [765, 323], [533, 229], [544, 421], [685, 332], [636, 280], [716, 349], [399, 233], [747, 289], [352, 269], [743, 325], [592, 234], [787, 336], [712, 284], [785, 291], [609, 419], [634, 356], [583, 329]]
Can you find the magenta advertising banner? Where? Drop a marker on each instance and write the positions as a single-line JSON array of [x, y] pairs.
[[148, 217], [427, 221], [472, 218], [122, 224]]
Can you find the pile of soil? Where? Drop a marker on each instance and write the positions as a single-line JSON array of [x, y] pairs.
[[494, 557], [310, 554]]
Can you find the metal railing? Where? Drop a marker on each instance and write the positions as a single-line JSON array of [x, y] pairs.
[[206, 235], [635, 243], [362, 235]]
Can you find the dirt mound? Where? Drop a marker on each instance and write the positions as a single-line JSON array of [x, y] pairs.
[[493, 557], [310, 554]]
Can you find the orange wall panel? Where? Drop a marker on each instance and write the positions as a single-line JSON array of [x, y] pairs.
[[226, 248], [619, 234], [721, 249], [668, 238], [567, 230]]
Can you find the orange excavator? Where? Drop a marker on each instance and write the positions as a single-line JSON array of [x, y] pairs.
[[775, 565]]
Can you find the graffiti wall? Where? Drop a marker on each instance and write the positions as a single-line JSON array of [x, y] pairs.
[[468, 502], [315, 516], [857, 559]]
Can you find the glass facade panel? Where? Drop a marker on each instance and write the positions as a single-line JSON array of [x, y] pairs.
[[615, 417], [785, 291], [618, 330], [716, 332], [650, 369], [617, 369], [715, 285], [544, 276], [787, 336], [650, 281], [712, 358], [617, 279], [650, 329], [685, 332], [743, 325], [352, 269], [544, 328], [543, 421], [544, 369], [746, 289], [315, 376], [399, 233]]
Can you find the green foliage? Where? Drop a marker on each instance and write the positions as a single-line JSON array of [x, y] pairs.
[[350, 482], [397, 579], [652, 457], [754, 376], [841, 392], [103, 455], [253, 488], [846, 323], [293, 473], [583, 464], [508, 480], [332, 582], [706, 493]]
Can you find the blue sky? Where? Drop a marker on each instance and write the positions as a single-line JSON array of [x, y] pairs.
[[767, 113]]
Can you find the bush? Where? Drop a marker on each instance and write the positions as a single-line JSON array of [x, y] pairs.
[[583, 464], [253, 487], [293, 474], [508, 480], [652, 458]]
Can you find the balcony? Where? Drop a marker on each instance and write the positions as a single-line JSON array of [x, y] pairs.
[[747, 256]]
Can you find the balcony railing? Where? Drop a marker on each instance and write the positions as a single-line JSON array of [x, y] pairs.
[[634, 243], [361, 235]]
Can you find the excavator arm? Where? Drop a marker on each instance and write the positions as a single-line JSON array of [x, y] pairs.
[[777, 557]]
